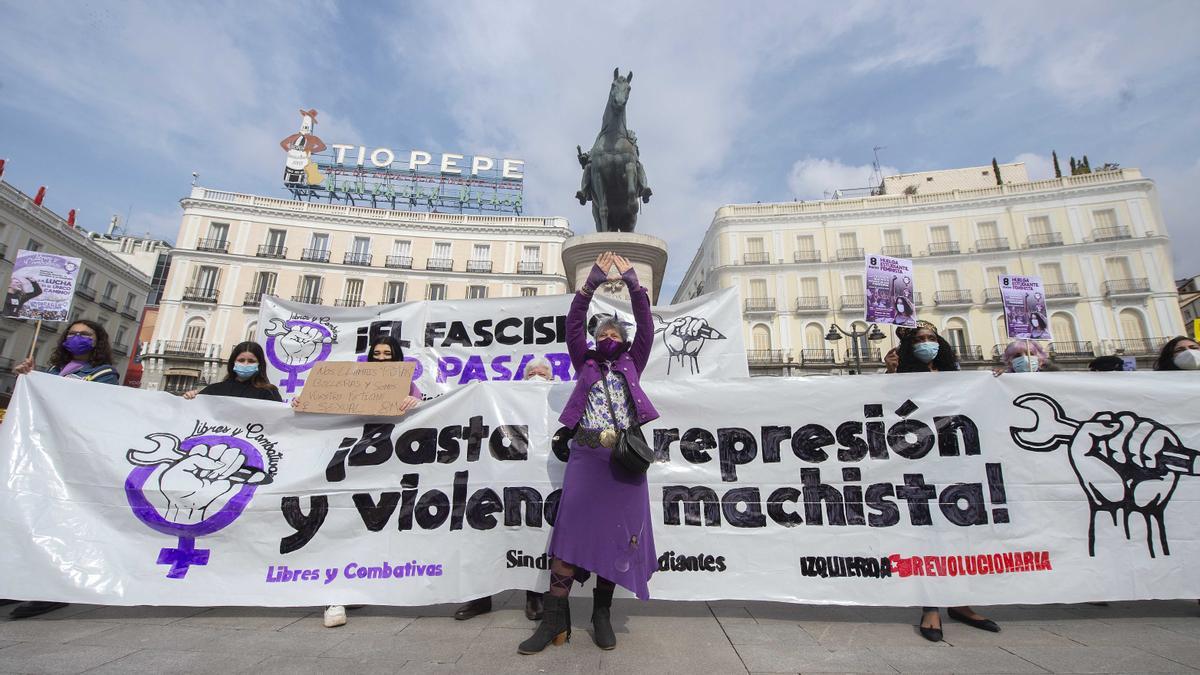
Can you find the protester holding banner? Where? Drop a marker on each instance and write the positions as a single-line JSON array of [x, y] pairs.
[[537, 370], [923, 350], [1180, 353], [383, 348], [244, 376], [603, 523], [83, 353], [1025, 356]]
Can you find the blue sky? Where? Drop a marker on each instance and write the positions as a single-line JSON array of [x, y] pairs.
[[114, 105]]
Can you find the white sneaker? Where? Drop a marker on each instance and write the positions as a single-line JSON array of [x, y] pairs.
[[335, 615]]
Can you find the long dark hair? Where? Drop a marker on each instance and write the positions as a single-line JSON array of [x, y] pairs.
[[259, 379], [101, 350], [397, 350], [945, 360], [1166, 357]]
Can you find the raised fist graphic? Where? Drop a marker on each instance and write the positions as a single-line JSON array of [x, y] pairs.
[[684, 336], [1126, 464], [299, 344], [195, 480]]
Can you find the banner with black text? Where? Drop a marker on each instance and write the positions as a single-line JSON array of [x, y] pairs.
[[916, 489]]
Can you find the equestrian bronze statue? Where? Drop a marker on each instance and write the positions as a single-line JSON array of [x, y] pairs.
[[613, 176]]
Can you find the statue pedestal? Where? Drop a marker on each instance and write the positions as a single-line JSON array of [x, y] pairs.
[[648, 255]]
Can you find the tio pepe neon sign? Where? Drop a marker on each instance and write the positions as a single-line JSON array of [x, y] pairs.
[[448, 163]]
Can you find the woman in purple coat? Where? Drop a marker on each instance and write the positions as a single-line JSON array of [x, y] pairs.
[[603, 520]]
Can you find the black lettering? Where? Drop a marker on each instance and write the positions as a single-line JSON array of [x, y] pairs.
[[898, 439], [480, 508], [975, 511], [816, 492], [854, 448], [415, 446], [305, 525], [886, 513], [432, 509], [775, 507], [695, 444], [690, 499], [736, 446], [510, 442], [808, 441], [514, 498], [750, 515], [948, 429], [376, 515], [917, 493]]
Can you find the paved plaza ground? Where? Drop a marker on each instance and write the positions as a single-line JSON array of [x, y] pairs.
[[660, 637]]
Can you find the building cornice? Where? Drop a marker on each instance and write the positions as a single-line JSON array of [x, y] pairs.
[[255, 205]]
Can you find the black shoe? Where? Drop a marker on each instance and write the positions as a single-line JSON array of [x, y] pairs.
[[555, 626], [931, 634], [27, 610], [474, 608], [981, 624], [533, 606], [602, 631]]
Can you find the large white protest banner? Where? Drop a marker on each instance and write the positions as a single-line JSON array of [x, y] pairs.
[[914, 489], [457, 342]]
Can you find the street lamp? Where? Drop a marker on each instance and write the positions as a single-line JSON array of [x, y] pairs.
[[871, 332]]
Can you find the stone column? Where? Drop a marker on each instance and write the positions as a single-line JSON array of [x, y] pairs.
[[648, 255]]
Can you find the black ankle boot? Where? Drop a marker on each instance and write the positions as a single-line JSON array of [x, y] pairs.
[[555, 626], [602, 631]]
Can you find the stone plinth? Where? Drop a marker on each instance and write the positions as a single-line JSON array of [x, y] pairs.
[[647, 254]]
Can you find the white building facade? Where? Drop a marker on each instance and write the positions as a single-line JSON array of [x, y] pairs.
[[1097, 241], [108, 290], [234, 248]]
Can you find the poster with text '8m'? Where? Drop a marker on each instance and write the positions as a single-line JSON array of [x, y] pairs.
[[1025, 313], [41, 287], [890, 291]]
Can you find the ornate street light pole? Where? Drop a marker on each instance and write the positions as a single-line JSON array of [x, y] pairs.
[[871, 332]]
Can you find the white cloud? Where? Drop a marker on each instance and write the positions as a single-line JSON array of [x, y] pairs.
[[817, 178], [1037, 166]]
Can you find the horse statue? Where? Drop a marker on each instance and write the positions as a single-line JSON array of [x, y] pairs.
[[613, 176]]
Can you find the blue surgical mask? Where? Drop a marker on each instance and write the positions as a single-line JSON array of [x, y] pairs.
[[245, 371], [926, 351], [1024, 364]]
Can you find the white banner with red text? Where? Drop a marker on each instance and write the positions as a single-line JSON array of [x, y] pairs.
[[457, 342], [915, 489]]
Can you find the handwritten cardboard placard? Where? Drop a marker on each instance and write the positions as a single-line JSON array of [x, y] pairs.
[[353, 388]]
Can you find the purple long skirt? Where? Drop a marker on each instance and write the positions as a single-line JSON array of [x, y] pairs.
[[603, 522]]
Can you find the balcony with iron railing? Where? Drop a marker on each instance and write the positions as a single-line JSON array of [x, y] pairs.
[[760, 304], [943, 247], [865, 354], [129, 313], [529, 267], [180, 389], [1126, 287], [348, 302], [992, 296], [399, 262], [756, 258], [1111, 233], [254, 298], [806, 256], [200, 294], [108, 302], [816, 303], [120, 348], [270, 251], [1138, 346], [849, 254], [320, 255], [439, 264], [307, 299], [86, 292], [766, 357], [357, 259], [1044, 239], [212, 245], [898, 251], [969, 353], [1058, 291], [816, 357], [853, 301], [991, 244], [1071, 349], [958, 297], [189, 348], [482, 266]]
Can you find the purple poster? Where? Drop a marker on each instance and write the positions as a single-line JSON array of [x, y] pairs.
[[890, 291], [1024, 308], [41, 287]]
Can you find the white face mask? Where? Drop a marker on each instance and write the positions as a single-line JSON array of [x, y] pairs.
[[538, 378], [1024, 364], [1188, 359]]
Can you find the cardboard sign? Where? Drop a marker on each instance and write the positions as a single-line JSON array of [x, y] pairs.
[[353, 388]]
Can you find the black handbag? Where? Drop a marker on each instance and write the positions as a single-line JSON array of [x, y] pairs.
[[631, 451]]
